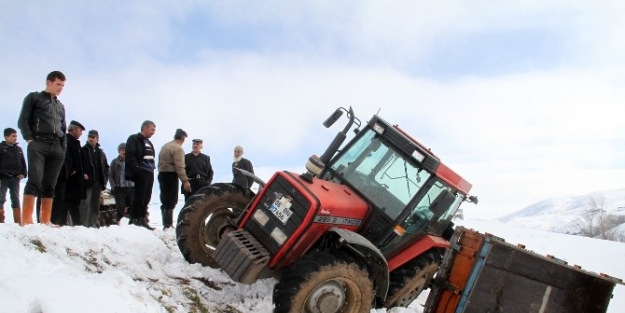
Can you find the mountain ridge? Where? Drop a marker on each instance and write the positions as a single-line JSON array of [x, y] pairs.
[[562, 213]]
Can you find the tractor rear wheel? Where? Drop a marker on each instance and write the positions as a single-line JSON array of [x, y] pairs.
[[324, 282], [206, 216], [408, 281]]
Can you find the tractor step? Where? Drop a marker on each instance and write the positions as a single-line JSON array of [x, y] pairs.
[[241, 256]]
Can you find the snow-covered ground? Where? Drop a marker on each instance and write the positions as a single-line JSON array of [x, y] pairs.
[[130, 269]]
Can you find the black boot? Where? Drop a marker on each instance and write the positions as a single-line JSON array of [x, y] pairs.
[[168, 218], [142, 222]]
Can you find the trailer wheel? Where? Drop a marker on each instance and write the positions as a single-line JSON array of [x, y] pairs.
[[206, 216], [324, 282], [408, 281]]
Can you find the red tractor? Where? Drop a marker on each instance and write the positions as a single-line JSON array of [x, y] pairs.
[[364, 227]]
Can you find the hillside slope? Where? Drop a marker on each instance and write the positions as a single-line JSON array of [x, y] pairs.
[[559, 214]]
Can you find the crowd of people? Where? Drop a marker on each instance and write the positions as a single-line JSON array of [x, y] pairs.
[[65, 180]]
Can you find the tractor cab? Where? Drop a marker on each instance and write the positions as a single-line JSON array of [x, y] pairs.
[[410, 191]]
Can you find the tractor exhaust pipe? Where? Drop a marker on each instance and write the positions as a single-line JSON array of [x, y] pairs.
[[340, 137]]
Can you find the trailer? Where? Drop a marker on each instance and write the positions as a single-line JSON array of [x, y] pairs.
[[483, 273]]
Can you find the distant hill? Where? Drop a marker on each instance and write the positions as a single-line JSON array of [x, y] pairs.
[[559, 214]]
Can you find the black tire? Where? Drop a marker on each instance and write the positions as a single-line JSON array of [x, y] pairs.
[[324, 282], [408, 281], [205, 217]]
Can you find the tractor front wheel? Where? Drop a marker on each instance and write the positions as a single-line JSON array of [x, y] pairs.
[[205, 218], [324, 282]]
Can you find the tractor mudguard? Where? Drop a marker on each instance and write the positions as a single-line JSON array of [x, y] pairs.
[[370, 254]]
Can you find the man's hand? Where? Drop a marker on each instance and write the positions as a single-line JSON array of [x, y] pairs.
[[28, 141], [85, 176], [187, 186], [20, 176]]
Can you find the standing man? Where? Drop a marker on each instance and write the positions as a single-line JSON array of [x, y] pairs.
[[12, 170], [123, 190], [171, 167], [140, 167], [240, 162], [70, 186], [42, 124], [198, 168], [96, 176]]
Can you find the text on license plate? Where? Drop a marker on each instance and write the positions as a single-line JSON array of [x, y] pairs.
[[281, 208]]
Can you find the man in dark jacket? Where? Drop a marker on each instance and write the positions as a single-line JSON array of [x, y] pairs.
[[42, 124], [96, 177], [198, 167], [240, 162], [12, 170], [70, 186], [140, 165], [123, 190]]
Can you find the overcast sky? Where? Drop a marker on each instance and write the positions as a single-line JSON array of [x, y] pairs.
[[521, 98]]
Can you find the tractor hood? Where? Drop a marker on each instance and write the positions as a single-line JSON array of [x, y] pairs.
[[289, 209]]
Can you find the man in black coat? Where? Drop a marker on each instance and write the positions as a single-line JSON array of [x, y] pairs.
[[140, 166], [70, 186], [96, 177], [198, 167], [240, 162], [42, 124], [12, 170]]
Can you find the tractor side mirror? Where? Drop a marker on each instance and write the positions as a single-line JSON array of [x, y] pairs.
[[442, 203], [333, 118]]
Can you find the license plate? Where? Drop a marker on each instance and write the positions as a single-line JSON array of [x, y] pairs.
[[281, 208]]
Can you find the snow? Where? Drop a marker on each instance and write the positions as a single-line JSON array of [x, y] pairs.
[[130, 269]]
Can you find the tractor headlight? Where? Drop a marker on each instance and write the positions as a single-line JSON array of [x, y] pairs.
[[278, 236], [261, 217], [379, 128], [418, 156]]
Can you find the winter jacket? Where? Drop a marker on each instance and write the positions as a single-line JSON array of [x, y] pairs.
[[199, 165], [171, 159], [12, 162], [42, 114], [239, 178], [139, 155], [117, 176], [96, 165], [73, 170]]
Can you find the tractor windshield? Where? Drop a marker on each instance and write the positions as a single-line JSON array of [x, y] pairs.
[[382, 174]]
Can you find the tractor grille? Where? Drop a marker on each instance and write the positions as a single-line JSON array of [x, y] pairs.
[[241, 256], [299, 206]]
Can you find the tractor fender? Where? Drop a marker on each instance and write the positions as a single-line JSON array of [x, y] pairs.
[[370, 254]]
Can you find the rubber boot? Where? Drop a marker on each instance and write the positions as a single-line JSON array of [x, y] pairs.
[[27, 209], [1, 215], [168, 218], [46, 211], [17, 216], [141, 222], [38, 209]]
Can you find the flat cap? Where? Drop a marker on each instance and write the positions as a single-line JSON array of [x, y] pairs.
[[198, 140], [93, 132], [122, 146], [77, 124]]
